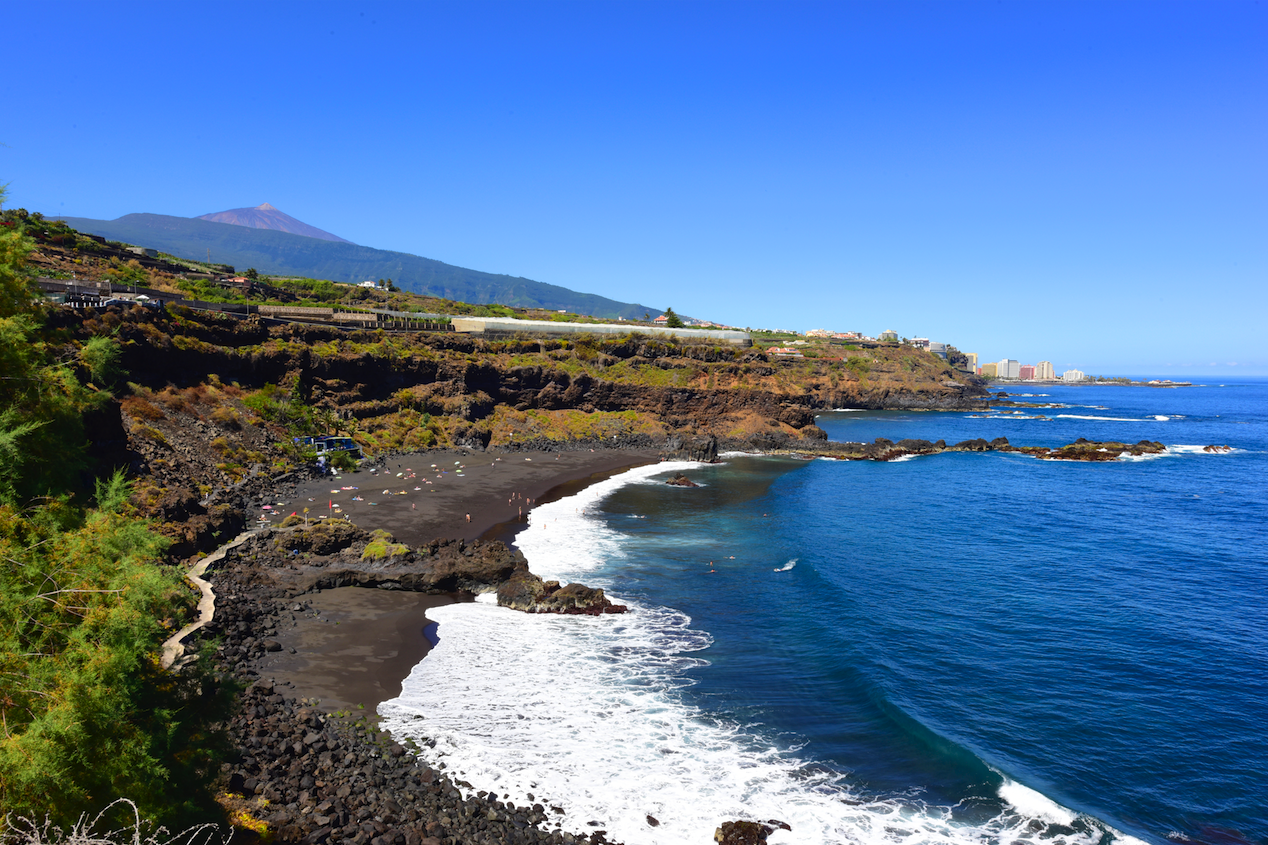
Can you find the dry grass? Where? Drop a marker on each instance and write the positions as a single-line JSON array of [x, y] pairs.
[[24, 831]]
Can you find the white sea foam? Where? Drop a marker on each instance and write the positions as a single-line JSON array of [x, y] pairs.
[[1105, 419], [787, 566], [1181, 449], [588, 713], [1174, 451], [1030, 803]]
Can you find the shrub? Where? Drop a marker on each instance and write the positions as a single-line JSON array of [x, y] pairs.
[[382, 546]]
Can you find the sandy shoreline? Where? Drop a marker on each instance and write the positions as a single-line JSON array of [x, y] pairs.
[[354, 646]]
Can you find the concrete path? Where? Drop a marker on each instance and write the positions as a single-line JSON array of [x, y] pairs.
[[174, 648]]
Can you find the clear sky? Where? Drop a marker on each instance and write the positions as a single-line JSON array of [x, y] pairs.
[[1079, 182]]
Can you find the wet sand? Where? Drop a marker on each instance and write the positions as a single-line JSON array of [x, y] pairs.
[[355, 645]]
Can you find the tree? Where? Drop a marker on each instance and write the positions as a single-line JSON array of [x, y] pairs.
[[672, 320]]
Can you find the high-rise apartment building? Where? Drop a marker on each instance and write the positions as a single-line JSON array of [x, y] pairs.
[[1043, 370]]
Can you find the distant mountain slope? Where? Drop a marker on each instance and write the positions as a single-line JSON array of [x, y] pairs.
[[267, 217], [284, 254]]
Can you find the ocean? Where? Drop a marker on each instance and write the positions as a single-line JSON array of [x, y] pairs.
[[956, 648]]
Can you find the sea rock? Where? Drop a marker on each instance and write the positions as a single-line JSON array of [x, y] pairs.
[[747, 833], [527, 592], [681, 480]]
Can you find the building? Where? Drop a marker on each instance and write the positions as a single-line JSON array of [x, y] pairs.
[[818, 333], [939, 349], [1044, 371], [920, 342], [662, 320], [972, 361], [988, 370], [1008, 368], [1073, 375], [784, 352], [1026, 372], [889, 334]]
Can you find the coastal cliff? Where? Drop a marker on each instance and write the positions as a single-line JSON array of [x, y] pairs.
[[213, 401]]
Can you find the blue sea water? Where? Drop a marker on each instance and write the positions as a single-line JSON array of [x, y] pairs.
[[952, 648]]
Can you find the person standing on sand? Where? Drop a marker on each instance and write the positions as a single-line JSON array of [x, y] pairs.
[[468, 517]]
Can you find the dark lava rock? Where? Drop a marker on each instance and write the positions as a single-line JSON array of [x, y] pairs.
[[527, 592], [746, 833], [701, 448], [681, 480]]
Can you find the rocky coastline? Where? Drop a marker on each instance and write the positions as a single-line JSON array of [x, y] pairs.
[[316, 776]]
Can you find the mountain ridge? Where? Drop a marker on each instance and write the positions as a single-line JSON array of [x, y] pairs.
[[285, 254]]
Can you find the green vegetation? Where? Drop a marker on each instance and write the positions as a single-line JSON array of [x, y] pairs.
[[86, 714], [672, 320], [381, 546]]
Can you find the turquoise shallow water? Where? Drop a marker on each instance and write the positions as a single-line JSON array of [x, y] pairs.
[[967, 647]]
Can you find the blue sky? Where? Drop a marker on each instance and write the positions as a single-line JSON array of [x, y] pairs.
[[1081, 182]]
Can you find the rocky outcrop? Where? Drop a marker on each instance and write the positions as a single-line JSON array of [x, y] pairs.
[[887, 450], [703, 448], [1090, 450], [529, 593], [333, 553], [747, 833], [681, 480]]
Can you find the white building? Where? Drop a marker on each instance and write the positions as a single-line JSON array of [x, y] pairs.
[[1073, 375], [1044, 371], [889, 334], [1008, 368]]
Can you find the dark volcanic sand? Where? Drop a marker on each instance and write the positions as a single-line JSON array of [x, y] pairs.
[[356, 645], [484, 489]]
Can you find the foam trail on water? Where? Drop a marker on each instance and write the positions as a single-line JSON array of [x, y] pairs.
[[787, 566], [588, 714], [1109, 419]]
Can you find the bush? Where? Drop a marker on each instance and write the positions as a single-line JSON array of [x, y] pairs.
[[94, 718]]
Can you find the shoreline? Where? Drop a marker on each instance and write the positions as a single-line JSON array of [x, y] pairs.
[[353, 647]]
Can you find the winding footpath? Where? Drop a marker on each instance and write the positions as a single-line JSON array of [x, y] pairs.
[[174, 648]]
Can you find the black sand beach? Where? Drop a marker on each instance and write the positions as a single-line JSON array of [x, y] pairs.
[[354, 646]]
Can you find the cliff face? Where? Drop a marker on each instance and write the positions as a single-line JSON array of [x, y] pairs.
[[369, 375], [213, 402]]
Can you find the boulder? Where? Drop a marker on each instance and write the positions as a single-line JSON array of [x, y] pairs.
[[527, 592], [681, 480], [747, 833]]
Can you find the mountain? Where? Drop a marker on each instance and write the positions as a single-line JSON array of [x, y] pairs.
[[284, 254], [267, 217]]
